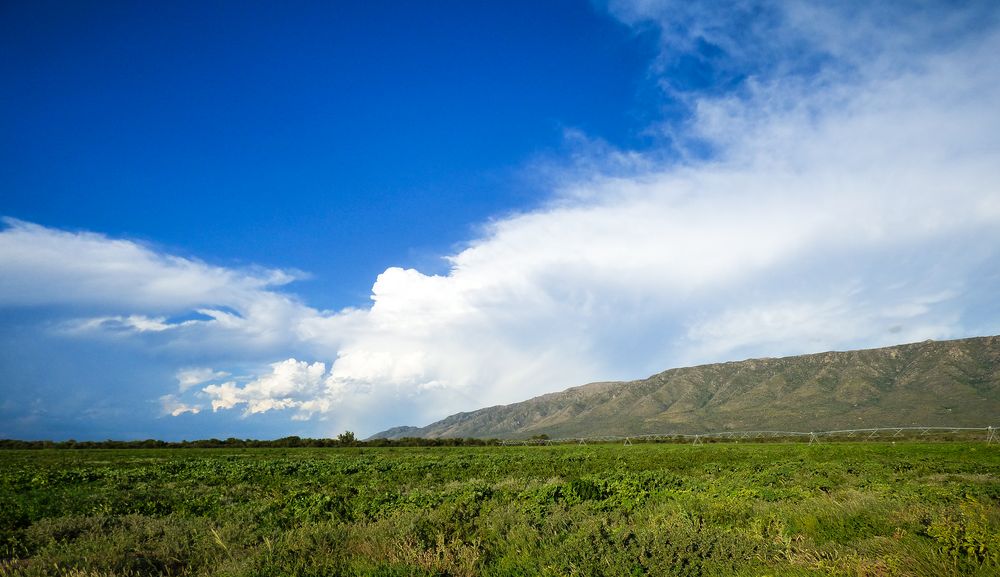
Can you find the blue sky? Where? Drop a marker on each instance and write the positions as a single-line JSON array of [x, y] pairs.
[[389, 128], [243, 219]]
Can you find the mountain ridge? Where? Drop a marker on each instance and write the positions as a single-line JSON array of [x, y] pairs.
[[949, 383]]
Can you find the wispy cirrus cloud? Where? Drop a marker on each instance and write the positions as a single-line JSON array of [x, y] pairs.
[[173, 406], [47, 266], [190, 377]]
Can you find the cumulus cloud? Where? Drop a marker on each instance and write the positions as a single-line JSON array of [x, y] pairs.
[[291, 384], [854, 172], [850, 197]]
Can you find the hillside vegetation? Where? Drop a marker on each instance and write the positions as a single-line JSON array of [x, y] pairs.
[[946, 383]]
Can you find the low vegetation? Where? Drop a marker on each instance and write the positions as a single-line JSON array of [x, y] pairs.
[[856, 509]]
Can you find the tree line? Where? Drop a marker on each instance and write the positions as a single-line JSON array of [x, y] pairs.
[[345, 439]]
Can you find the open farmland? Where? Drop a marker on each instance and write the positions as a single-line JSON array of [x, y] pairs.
[[877, 509]]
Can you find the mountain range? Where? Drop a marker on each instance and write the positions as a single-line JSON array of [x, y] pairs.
[[931, 383]]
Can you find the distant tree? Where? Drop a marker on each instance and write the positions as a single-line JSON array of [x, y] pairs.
[[346, 438], [287, 442]]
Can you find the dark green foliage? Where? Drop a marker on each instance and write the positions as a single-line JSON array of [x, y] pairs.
[[875, 509], [346, 439]]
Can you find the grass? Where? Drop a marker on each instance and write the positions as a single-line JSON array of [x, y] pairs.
[[856, 509]]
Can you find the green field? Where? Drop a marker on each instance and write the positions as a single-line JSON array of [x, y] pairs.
[[877, 509]]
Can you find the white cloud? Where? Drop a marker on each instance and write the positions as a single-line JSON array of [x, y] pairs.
[[126, 324], [824, 189], [115, 286], [173, 406], [291, 384], [190, 377], [40, 263], [841, 320]]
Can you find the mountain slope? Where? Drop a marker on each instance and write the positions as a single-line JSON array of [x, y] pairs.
[[950, 383]]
